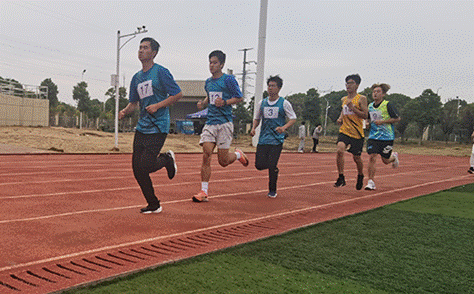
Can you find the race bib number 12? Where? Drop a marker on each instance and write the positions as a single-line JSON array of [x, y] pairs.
[[213, 96]]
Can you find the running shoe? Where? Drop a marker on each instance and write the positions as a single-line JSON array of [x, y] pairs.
[[272, 194], [341, 181], [243, 158], [200, 197], [171, 167], [151, 209], [471, 170], [396, 162], [370, 185], [360, 182]]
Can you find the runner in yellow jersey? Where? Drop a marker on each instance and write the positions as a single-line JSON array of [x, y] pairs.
[[351, 132]]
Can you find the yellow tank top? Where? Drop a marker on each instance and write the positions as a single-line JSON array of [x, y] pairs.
[[352, 125]]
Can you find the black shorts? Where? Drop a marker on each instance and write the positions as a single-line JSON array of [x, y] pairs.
[[384, 148], [356, 144]]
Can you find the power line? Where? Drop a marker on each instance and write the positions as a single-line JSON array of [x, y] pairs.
[[60, 16]]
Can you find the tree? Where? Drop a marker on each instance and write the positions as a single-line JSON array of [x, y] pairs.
[[110, 103], [252, 102], [52, 92], [241, 113], [312, 107], [400, 101], [424, 110], [467, 120], [81, 95], [95, 109], [335, 103], [449, 118]]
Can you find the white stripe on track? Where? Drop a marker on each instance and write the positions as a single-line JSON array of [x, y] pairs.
[[113, 247]]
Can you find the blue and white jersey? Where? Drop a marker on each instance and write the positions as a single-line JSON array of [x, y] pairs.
[[151, 87], [225, 87], [383, 111], [273, 114]]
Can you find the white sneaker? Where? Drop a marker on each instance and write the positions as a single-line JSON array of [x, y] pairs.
[[396, 162], [370, 185]]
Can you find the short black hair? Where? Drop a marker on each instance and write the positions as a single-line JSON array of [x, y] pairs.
[[355, 77], [275, 79], [219, 54], [155, 46]]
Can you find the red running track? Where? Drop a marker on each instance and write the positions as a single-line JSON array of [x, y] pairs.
[[70, 220]]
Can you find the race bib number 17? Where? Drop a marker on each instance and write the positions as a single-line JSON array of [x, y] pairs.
[[145, 89]]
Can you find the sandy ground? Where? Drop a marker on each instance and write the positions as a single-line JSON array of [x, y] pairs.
[[58, 140]]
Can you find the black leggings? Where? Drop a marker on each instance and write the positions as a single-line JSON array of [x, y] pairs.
[[145, 160], [267, 157]]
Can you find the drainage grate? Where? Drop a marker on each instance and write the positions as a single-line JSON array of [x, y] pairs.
[[77, 271]]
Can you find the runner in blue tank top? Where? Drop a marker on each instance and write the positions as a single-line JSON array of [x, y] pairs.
[[222, 91], [152, 90], [273, 113], [382, 115]]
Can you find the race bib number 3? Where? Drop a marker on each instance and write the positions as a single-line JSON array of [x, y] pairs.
[[145, 89], [270, 112], [213, 96]]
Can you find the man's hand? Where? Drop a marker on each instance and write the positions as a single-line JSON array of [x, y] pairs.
[[252, 132], [121, 114], [201, 104], [280, 130], [219, 102], [152, 108]]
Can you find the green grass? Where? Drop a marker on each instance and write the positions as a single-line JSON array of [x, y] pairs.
[[423, 245]]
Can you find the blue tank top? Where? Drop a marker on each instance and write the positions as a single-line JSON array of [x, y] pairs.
[[272, 116]]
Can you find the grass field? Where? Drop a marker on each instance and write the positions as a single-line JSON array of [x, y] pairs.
[[423, 245]]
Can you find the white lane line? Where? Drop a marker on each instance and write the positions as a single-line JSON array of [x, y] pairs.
[[113, 247]]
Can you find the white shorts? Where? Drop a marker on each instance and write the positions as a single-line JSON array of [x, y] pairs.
[[219, 134]]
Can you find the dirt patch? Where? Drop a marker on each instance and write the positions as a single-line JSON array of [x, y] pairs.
[[59, 140]]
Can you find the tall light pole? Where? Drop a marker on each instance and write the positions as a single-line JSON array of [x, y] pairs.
[[326, 116], [82, 76], [327, 108], [115, 79], [262, 36]]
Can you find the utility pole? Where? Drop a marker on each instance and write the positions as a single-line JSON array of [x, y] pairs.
[[115, 78], [244, 70]]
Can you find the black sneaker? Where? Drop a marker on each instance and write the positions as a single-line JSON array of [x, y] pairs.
[[151, 209], [170, 165], [272, 194], [471, 170], [340, 182], [360, 182]]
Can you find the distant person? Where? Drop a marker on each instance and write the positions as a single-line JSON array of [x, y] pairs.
[[302, 136], [471, 169], [273, 112], [317, 131], [382, 115], [351, 132], [152, 90], [222, 91]]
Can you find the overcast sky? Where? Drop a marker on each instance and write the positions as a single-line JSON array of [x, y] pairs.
[[411, 45]]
